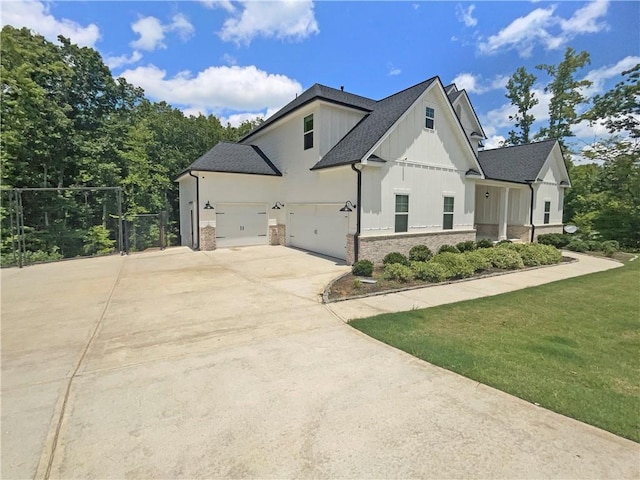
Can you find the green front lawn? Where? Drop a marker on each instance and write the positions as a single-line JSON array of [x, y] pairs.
[[571, 346]]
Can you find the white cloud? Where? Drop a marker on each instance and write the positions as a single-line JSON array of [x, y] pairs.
[[599, 76], [478, 85], [286, 19], [152, 31], [465, 15], [224, 4], [151, 34], [229, 59], [394, 72], [216, 89], [494, 141], [116, 62], [542, 27], [35, 16]]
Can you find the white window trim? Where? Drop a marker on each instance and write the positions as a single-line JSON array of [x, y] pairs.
[[448, 195], [545, 212], [304, 134], [424, 122], [395, 213]]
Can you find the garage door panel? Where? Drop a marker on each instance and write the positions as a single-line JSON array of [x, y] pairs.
[[241, 225], [319, 228]]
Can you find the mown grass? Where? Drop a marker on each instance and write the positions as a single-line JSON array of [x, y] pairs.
[[571, 346]]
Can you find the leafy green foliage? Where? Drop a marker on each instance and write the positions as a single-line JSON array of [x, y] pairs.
[[420, 253], [534, 254], [395, 257], [362, 268], [466, 246], [97, 241], [484, 243], [505, 258], [429, 271], [519, 91], [577, 245], [557, 240], [448, 248], [398, 271], [478, 259], [455, 264]]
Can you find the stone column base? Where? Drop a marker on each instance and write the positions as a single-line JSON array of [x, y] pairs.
[[208, 238]]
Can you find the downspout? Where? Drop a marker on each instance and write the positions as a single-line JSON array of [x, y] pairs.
[[356, 236], [197, 209], [533, 227]]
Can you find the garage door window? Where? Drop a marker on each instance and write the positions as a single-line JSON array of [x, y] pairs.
[[308, 132], [402, 213]]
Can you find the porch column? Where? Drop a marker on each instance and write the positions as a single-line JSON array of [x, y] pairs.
[[502, 215]]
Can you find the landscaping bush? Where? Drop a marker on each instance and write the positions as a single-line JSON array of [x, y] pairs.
[[577, 245], [420, 253], [429, 271], [534, 254], [507, 244], [362, 268], [609, 247], [505, 258], [397, 271], [484, 243], [479, 260], [594, 245], [395, 257], [504, 242], [557, 240], [448, 248], [455, 264], [466, 246]]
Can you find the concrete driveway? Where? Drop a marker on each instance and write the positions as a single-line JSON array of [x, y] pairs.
[[181, 364]]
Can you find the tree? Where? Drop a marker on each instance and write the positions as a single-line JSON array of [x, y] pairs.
[[565, 95], [620, 106], [521, 96]]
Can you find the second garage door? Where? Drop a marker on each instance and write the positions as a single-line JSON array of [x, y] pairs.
[[241, 224], [319, 228]]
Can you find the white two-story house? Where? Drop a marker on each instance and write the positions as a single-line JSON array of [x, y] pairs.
[[355, 178]]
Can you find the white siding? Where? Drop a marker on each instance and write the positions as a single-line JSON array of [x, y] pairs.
[[425, 164], [187, 186]]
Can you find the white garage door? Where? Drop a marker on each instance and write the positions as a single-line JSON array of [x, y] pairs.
[[241, 224], [319, 228]]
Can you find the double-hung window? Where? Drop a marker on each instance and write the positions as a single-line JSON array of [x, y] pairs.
[[547, 212], [447, 216], [430, 115], [402, 213], [308, 132]]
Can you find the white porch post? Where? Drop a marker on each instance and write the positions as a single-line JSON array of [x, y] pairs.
[[502, 216]]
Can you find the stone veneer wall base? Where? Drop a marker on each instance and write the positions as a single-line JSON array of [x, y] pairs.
[[375, 248], [208, 238]]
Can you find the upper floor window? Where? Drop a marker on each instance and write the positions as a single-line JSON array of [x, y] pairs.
[[402, 213], [547, 212], [430, 115], [308, 132], [447, 217]]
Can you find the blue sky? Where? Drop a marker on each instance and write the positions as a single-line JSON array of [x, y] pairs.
[[240, 59]]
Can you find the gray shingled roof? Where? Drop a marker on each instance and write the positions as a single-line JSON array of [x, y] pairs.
[[316, 92], [453, 96], [519, 163], [235, 158], [355, 144]]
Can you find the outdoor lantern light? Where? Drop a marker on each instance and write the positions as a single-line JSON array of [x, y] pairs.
[[277, 206], [486, 195], [208, 206], [348, 206]]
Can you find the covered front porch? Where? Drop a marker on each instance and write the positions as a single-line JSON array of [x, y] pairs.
[[503, 211]]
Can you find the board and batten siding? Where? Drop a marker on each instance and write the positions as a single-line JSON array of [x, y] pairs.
[[187, 187], [424, 164], [488, 209]]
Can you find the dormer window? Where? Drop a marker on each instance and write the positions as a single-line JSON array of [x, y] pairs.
[[430, 115], [308, 132]]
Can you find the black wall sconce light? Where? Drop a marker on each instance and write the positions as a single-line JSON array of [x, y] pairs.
[[208, 206], [277, 206], [348, 207], [486, 195]]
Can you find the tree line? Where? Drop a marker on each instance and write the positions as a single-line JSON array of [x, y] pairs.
[[67, 122], [604, 201]]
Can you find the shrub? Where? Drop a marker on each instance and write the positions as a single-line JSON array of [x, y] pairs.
[[479, 260], [397, 271], [508, 244], [420, 253], [504, 242], [557, 240], [466, 246], [357, 283], [484, 243], [429, 271], [43, 256], [456, 265], [362, 268], [448, 249], [395, 257], [534, 254], [505, 258], [97, 241], [594, 245], [577, 245], [609, 247]]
